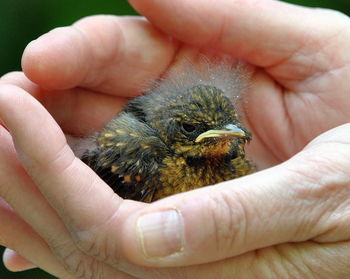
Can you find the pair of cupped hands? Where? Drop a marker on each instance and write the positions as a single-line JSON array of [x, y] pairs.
[[289, 220]]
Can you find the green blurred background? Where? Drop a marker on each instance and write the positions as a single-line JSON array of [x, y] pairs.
[[24, 20]]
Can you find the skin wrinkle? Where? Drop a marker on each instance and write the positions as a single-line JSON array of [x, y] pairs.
[[35, 161], [313, 195], [297, 120], [320, 45], [288, 123], [329, 102], [310, 269], [261, 266], [113, 258], [237, 227], [271, 69], [283, 52], [324, 269], [288, 261], [333, 228], [315, 69], [91, 246], [63, 161], [282, 267], [215, 222], [333, 218], [65, 253], [292, 120], [274, 266], [324, 44], [296, 178], [332, 72]]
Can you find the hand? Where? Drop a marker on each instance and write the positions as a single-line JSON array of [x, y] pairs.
[[288, 221]]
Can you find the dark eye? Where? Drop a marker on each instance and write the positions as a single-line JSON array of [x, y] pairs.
[[188, 128]]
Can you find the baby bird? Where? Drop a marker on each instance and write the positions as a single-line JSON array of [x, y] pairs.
[[172, 140]]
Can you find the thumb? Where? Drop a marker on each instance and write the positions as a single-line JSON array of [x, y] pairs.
[[302, 199]]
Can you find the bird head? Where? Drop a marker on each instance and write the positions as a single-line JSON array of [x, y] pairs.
[[200, 121]]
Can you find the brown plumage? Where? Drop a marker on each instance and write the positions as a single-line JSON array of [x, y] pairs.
[[173, 140]]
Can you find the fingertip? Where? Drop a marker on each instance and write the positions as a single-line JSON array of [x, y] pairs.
[[15, 75], [109, 54], [56, 59], [15, 262], [19, 79]]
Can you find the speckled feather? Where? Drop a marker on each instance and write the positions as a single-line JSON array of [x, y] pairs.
[[145, 153]]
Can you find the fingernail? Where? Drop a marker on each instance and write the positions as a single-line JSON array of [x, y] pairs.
[[161, 233], [15, 262]]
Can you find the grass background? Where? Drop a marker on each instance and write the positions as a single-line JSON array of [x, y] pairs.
[[24, 20]]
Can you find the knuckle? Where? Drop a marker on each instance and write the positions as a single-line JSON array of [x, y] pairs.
[[94, 238], [77, 263], [229, 219], [92, 245], [319, 180], [319, 173], [61, 159]]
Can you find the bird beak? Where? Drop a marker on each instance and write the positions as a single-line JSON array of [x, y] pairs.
[[229, 130]]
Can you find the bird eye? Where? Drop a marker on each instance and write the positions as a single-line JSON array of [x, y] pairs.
[[189, 128]]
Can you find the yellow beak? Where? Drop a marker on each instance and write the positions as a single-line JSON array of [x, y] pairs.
[[229, 130]]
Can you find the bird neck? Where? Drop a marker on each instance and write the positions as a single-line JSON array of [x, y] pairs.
[[206, 162]]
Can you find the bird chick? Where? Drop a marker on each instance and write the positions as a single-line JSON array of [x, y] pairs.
[[175, 139]]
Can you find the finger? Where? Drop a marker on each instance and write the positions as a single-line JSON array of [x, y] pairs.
[[78, 111], [282, 36], [56, 155], [248, 265], [6, 108], [17, 188], [17, 235], [115, 55], [288, 260], [26, 199], [19, 79], [301, 199], [15, 262]]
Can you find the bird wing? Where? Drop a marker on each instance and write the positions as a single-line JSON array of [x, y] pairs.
[[128, 155]]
